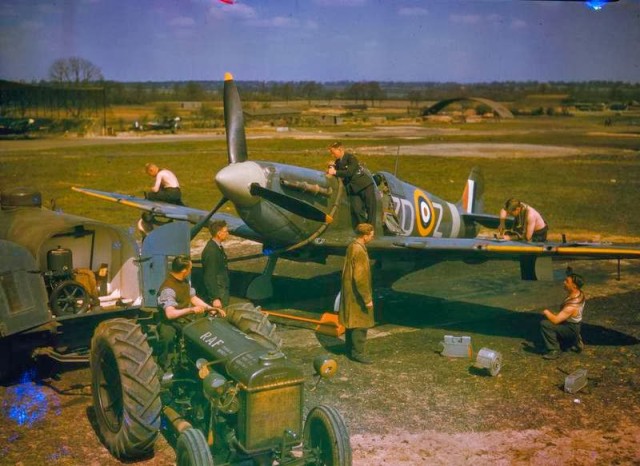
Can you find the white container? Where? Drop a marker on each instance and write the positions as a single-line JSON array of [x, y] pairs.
[[490, 360], [457, 347]]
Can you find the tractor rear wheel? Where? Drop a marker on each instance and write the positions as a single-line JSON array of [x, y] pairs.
[[192, 449], [126, 390], [327, 437]]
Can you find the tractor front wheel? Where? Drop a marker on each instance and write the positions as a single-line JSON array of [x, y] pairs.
[[326, 437]]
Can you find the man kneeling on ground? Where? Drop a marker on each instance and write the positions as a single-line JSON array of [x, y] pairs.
[[565, 325]]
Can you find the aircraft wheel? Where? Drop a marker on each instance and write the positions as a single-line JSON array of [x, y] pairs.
[[125, 389], [69, 298], [192, 449], [327, 436]]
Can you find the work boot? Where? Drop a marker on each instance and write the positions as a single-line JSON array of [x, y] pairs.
[[579, 346], [553, 354], [361, 358]]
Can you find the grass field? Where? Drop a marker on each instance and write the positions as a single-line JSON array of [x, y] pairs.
[[589, 194]]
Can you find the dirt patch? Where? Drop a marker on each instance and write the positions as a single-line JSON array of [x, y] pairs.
[[482, 150], [414, 406]]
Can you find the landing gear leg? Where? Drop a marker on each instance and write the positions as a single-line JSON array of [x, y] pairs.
[[262, 286]]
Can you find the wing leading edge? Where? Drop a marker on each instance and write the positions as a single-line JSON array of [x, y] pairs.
[[236, 226]]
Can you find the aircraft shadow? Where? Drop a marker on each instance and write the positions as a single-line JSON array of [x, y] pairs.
[[415, 310]]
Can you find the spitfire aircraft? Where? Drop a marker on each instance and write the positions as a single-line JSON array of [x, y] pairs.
[[304, 215], [16, 126]]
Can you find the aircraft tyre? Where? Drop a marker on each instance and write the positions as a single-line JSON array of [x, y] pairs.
[[125, 389], [68, 298], [327, 436], [192, 449]]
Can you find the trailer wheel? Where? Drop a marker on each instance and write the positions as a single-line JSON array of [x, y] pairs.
[[327, 436], [69, 298], [192, 449], [125, 388]]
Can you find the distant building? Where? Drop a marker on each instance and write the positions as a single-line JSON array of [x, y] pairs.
[[277, 115]]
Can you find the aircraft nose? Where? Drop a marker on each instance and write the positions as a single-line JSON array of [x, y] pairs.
[[234, 181]]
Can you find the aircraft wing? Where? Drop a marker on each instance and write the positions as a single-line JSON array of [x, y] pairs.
[[162, 209], [471, 249]]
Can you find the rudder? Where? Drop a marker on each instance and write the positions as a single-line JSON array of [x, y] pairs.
[[472, 201]]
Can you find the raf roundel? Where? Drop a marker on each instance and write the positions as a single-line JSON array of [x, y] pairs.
[[424, 209]]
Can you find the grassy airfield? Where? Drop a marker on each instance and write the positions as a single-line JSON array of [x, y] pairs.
[[412, 406], [584, 195]]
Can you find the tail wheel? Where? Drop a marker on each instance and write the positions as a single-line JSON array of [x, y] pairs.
[[327, 436], [68, 298], [126, 390], [192, 449]]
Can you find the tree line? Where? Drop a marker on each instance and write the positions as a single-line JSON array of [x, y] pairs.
[[80, 72], [78, 86]]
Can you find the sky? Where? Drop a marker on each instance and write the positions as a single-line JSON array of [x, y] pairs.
[[324, 40]]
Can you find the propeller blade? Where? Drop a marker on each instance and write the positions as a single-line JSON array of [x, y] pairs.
[[291, 204], [234, 122], [204, 220]]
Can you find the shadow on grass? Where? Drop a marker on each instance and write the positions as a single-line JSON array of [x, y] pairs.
[[419, 311]]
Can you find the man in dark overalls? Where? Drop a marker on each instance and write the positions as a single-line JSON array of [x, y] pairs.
[[358, 183]]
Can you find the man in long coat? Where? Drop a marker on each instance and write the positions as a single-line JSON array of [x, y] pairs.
[[356, 297]]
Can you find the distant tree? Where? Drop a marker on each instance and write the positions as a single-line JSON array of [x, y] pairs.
[[74, 71], [283, 91], [414, 97], [373, 92], [355, 91], [311, 89], [207, 115], [165, 112]]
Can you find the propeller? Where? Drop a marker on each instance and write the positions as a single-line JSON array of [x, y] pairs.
[[204, 220], [234, 122], [291, 204]]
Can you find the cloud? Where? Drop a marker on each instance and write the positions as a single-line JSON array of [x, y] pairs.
[[492, 19], [236, 11], [465, 19], [275, 22], [518, 24], [416, 11], [347, 3], [182, 22]]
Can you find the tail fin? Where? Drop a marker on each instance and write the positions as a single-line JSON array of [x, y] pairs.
[[472, 201]]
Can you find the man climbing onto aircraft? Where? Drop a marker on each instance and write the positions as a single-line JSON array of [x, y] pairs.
[[358, 183], [179, 304], [565, 325], [214, 265], [356, 297], [528, 224], [166, 187]]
